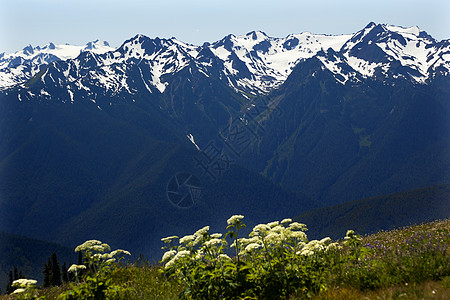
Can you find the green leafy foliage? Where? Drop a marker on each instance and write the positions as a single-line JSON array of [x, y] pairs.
[[25, 289], [99, 263], [276, 260]]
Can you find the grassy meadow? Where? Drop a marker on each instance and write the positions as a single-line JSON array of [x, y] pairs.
[[276, 261]]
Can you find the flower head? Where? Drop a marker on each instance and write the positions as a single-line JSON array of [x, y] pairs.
[[224, 256], [99, 248], [213, 242], [245, 241], [168, 255], [252, 246], [187, 239], [202, 231], [272, 238], [349, 234], [169, 263], [87, 245], [234, 219], [76, 268], [325, 240], [199, 255], [284, 221], [181, 254], [18, 291], [119, 252], [297, 226], [110, 261], [260, 228], [299, 235], [24, 283], [305, 252], [273, 224], [169, 239], [332, 246], [106, 256]]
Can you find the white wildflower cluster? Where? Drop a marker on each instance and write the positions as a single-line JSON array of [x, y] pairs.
[[178, 256], [250, 247], [274, 234], [351, 235], [202, 231], [168, 255], [98, 253], [223, 256], [22, 285], [192, 246], [169, 238], [93, 245], [119, 252], [200, 255], [76, 268], [274, 238], [234, 219], [316, 246], [273, 224], [187, 240], [312, 247], [213, 242], [298, 226]]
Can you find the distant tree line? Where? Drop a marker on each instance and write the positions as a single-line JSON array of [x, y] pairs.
[[54, 274], [13, 276]]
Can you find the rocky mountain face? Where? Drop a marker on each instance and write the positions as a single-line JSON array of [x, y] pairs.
[[18, 67], [362, 121], [269, 127]]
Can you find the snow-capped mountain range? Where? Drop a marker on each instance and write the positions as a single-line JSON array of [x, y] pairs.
[[270, 126], [389, 51], [20, 66], [253, 63], [258, 62]]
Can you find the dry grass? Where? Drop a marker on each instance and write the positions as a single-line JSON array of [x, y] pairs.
[[146, 282], [428, 290]]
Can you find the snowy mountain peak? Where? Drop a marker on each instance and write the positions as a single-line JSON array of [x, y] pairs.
[[413, 30], [62, 52], [97, 45], [253, 63], [257, 35], [392, 51], [21, 65], [260, 63], [28, 50]]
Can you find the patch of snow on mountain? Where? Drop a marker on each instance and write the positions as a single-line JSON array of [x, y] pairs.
[[412, 48], [334, 67], [269, 60], [191, 138], [414, 30], [365, 68], [20, 66]]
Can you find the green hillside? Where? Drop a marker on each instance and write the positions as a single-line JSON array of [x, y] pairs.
[[29, 256], [379, 213], [73, 173]]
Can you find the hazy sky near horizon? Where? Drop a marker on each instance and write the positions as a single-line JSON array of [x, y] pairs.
[[37, 22]]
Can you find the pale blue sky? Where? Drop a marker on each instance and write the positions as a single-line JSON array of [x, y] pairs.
[[77, 22]]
